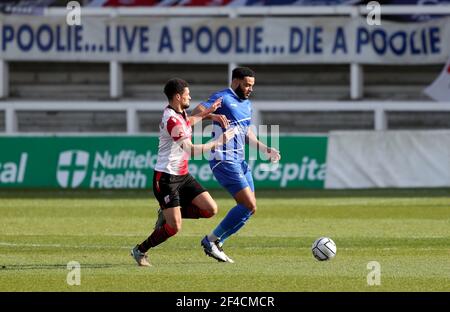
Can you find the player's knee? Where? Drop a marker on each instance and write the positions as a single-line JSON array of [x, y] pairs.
[[251, 205], [212, 209], [253, 208], [177, 227], [209, 210], [173, 227]]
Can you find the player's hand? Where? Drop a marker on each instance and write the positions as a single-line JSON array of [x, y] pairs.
[[273, 154], [227, 136], [217, 103], [221, 119]]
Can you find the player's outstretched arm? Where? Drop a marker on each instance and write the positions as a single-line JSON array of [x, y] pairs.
[[196, 149], [200, 112], [221, 119], [272, 153]]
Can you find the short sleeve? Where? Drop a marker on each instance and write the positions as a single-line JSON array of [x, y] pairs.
[[208, 103], [175, 129]]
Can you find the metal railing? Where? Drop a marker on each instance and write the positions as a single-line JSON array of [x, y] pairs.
[[132, 109], [254, 10]]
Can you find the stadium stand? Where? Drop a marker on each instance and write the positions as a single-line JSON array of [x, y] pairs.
[[398, 82], [308, 83], [318, 122], [44, 80], [56, 81], [71, 121], [418, 120], [318, 82]]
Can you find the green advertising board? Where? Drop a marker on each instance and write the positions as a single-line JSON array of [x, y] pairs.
[[116, 162]]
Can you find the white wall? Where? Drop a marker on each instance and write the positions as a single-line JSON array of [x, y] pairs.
[[371, 159]]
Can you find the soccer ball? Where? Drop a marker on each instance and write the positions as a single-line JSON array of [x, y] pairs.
[[324, 249]]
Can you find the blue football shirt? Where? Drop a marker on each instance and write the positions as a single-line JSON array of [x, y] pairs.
[[239, 114]]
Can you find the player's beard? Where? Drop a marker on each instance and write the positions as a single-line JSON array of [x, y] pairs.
[[185, 105], [240, 93]]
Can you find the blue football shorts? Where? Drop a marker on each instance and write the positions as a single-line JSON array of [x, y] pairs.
[[233, 176]]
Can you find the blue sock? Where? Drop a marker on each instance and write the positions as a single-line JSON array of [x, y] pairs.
[[235, 229], [233, 221]]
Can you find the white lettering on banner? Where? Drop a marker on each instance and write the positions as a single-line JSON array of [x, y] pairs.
[[205, 173], [201, 172], [120, 169], [309, 170], [124, 159], [127, 160], [221, 40], [22, 167], [129, 169], [193, 170], [11, 172], [129, 179]]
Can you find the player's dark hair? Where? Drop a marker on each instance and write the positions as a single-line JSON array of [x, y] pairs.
[[175, 86], [242, 72]]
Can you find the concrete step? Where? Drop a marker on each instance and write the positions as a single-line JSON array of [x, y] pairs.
[[71, 121]]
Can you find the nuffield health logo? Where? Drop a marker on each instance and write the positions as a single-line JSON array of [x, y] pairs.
[[72, 168]]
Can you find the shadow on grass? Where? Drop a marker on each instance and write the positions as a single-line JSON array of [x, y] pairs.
[[30, 267], [21, 267], [260, 193]]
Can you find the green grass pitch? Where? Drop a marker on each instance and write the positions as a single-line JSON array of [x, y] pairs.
[[406, 231]]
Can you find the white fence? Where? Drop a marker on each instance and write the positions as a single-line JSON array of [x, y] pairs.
[[132, 109]]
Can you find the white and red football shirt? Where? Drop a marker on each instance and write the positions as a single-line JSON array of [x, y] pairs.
[[174, 127]]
